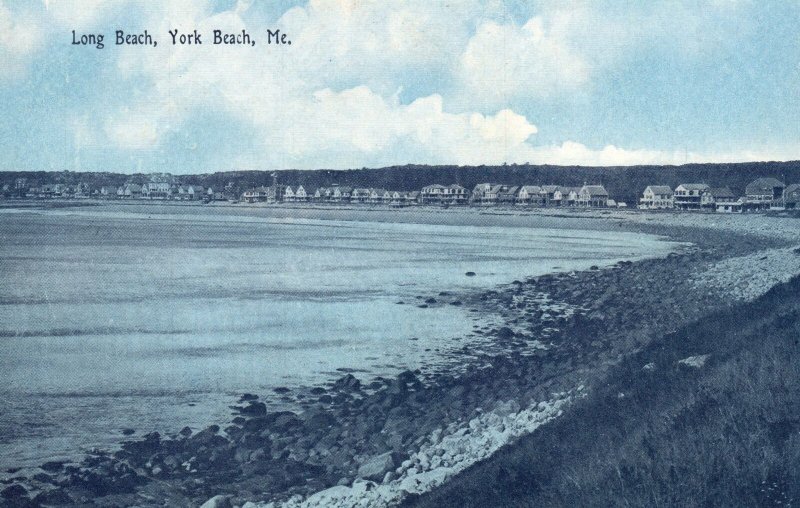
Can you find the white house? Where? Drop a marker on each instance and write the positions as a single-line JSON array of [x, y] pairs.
[[657, 197], [360, 195], [689, 196], [529, 195]]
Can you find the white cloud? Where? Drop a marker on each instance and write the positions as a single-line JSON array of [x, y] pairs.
[[505, 61], [20, 38]]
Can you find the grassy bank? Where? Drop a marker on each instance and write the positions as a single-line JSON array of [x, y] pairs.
[[660, 432]]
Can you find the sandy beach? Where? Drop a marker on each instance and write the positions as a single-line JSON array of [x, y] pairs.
[[377, 442]]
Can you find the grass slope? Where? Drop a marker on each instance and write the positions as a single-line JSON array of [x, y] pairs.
[[724, 434]]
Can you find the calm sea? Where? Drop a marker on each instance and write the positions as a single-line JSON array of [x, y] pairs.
[[154, 318]]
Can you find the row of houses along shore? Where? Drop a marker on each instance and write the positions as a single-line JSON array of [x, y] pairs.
[[760, 194]]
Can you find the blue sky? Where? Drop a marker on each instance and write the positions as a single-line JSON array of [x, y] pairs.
[[375, 83]]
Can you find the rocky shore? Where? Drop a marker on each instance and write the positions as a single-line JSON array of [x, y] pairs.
[[360, 442]]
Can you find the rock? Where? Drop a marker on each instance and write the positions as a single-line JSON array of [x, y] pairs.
[[505, 333], [185, 432], [318, 420], [281, 389], [376, 468], [43, 478], [285, 420], [15, 492], [128, 432], [430, 301], [247, 397], [470, 274], [53, 497], [694, 361], [317, 390], [219, 501], [348, 382], [205, 436], [252, 409], [455, 302], [507, 408], [53, 466]]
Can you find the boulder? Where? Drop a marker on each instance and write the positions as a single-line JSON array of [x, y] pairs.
[[55, 497], [377, 467], [318, 420], [219, 501], [14, 492], [348, 382], [252, 409], [53, 466]]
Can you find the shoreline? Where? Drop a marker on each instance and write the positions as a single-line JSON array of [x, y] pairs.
[[589, 321]]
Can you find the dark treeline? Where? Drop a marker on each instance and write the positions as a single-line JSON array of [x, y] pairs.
[[623, 183]]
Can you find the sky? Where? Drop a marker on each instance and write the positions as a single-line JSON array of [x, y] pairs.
[[377, 83]]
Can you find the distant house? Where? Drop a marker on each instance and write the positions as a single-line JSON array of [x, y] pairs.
[[455, 194], [397, 198], [594, 196], [288, 194], [413, 198], [657, 197], [731, 206], [485, 193], [130, 191], [196, 192], [376, 196], [551, 195], [569, 195], [255, 195], [688, 196], [764, 193], [323, 194], [157, 190], [507, 194], [360, 195], [300, 194], [341, 194], [529, 195], [791, 196], [711, 197], [432, 194]]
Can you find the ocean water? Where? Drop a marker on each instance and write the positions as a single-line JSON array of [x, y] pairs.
[[156, 318]]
